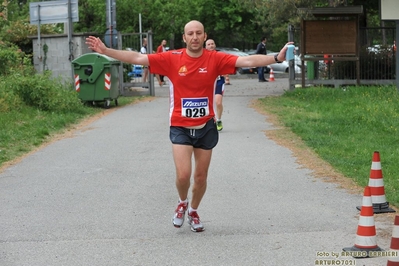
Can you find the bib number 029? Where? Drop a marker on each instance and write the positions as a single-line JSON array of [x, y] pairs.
[[195, 112], [195, 107]]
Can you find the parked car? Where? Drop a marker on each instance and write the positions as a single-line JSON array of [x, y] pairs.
[[137, 71], [253, 51], [284, 66], [298, 61], [280, 67], [235, 51], [381, 50], [378, 48]]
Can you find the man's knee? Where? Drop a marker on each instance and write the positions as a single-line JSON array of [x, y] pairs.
[[183, 178], [200, 180]]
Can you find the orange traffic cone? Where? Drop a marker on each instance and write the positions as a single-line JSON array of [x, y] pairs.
[[376, 184], [393, 255], [271, 77], [366, 234]]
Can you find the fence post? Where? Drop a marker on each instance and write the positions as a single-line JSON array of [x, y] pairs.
[[291, 63], [150, 49], [397, 56], [121, 69]]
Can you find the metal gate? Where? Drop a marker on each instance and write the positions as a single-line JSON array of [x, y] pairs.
[[131, 76]]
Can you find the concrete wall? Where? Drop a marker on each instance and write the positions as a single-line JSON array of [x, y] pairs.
[[58, 57]]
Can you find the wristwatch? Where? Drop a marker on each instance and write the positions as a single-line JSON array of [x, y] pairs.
[[275, 59]]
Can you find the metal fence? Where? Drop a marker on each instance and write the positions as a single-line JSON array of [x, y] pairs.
[[375, 65], [131, 77]]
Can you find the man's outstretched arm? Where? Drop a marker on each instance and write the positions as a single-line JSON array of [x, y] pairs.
[[129, 57], [258, 60]]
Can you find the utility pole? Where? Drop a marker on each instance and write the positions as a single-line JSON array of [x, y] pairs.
[[111, 22]]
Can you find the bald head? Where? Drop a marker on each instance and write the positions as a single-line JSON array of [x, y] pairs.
[[193, 25], [210, 44], [194, 36]]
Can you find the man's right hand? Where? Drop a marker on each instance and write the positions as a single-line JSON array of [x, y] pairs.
[[96, 44]]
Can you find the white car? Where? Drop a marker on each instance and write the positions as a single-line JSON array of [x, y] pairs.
[[281, 67], [284, 66]]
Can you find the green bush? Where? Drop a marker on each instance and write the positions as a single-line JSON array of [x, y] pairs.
[[8, 99], [17, 32], [21, 85], [45, 93], [14, 60]]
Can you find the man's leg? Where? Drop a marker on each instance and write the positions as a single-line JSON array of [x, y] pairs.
[[260, 74], [262, 70], [219, 106], [182, 155], [145, 74], [159, 80], [227, 79], [202, 162], [219, 111]]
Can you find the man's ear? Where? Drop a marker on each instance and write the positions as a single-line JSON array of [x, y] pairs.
[[184, 38]]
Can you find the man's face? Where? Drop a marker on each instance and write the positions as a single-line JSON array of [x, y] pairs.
[[194, 36], [164, 43], [210, 45]]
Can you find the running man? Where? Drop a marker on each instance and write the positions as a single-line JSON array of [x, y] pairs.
[[219, 90], [192, 72]]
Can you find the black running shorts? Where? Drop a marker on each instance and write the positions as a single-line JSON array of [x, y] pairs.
[[205, 138]]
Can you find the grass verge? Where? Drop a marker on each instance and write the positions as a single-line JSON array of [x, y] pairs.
[[344, 127], [26, 128]]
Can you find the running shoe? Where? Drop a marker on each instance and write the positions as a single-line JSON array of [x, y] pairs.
[[194, 222], [178, 217], [219, 125]]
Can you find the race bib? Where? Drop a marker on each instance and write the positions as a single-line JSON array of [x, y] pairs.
[[195, 107]]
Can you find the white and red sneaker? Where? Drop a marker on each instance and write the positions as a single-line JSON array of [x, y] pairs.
[[178, 217], [194, 222]]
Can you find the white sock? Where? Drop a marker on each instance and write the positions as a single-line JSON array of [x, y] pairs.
[[185, 201]]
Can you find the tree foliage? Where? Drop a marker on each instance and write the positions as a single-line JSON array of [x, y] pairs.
[[233, 23]]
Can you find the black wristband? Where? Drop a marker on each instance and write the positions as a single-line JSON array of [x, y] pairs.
[[275, 58]]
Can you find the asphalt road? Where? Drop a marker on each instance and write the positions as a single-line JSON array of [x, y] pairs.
[[106, 195]]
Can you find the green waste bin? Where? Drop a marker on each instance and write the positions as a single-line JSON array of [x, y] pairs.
[[310, 69], [97, 78]]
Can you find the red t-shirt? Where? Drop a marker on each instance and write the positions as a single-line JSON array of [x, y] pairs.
[[160, 49], [192, 83]]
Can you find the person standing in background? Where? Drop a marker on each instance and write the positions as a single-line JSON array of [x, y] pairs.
[[143, 50], [162, 48], [219, 89], [261, 49]]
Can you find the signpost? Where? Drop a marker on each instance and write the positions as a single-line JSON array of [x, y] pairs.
[[111, 35], [53, 12], [63, 11]]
